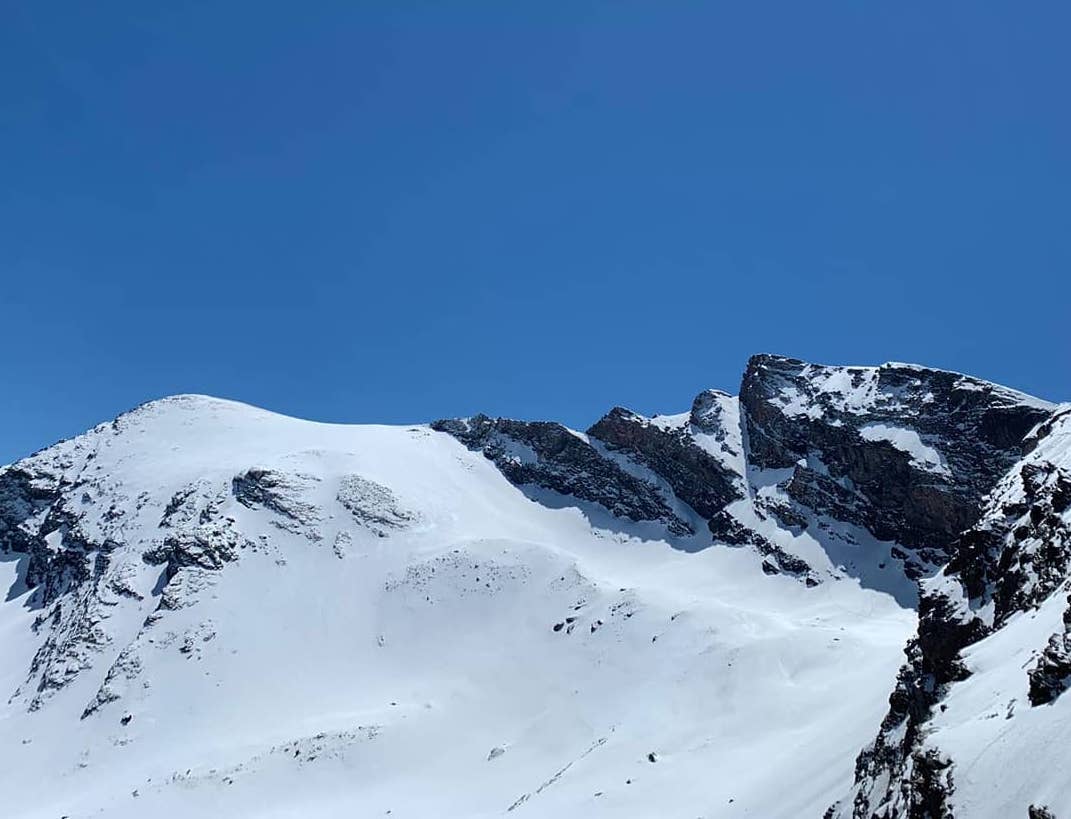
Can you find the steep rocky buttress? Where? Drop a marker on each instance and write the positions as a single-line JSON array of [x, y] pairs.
[[1007, 572], [805, 461], [903, 451]]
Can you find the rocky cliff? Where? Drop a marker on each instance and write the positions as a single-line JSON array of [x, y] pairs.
[[902, 453], [1007, 577]]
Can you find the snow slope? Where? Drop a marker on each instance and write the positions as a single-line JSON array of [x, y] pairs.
[[1006, 743], [978, 724], [272, 617], [215, 610]]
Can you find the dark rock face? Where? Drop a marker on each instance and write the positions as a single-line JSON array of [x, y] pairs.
[[1040, 812], [69, 571], [847, 434], [78, 566], [1051, 676], [1012, 560], [37, 519], [904, 452], [932, 785], [705, 482], [696, 477], [31, 509], [726, 529], [23, 495], [210, 548], [285, 495], [275, 491], [893, 771], [1020, 555], [548, 455]]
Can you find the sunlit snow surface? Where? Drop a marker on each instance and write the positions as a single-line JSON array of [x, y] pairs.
[[1008, 754], [907, 440], [465, 653]]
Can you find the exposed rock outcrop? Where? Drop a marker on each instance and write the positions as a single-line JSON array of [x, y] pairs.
[[1012, 561], [373, 505], [966, 484], [905, 451], [698, 478], [548, 455]]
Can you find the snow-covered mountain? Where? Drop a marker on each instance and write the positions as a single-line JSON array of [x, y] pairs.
[[976, 723], [213, 610]]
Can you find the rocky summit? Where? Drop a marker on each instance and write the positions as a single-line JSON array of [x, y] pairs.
[[843, 592]]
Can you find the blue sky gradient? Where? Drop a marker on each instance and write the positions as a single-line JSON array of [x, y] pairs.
[[391, 212]]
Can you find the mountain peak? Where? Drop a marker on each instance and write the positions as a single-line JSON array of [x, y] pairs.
[[501, 609]]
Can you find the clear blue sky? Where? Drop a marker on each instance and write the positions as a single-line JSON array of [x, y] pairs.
[[389, 211]]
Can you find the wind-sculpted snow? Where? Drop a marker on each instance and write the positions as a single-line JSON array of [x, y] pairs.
[[215, 610]]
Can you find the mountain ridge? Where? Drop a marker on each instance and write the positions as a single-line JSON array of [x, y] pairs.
[[819, 488]]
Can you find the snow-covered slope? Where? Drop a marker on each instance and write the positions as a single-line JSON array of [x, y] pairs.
[[977, 722], [215, 610], [238, 613]]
